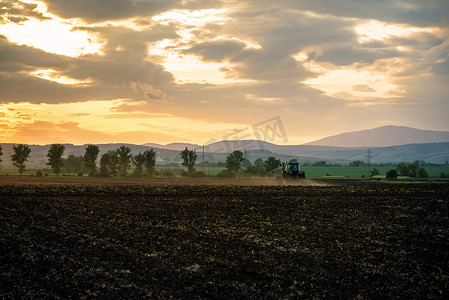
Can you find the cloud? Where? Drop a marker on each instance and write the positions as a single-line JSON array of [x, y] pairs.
[[217, 50], [17, 11], [15, 58], [266, 55], [419, 13], [103, 10], [109, 75], [363, 88], [348, 55], [150, 93]]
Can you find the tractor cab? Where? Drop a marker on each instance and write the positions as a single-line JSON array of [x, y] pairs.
[[291, 170], [293, 167]]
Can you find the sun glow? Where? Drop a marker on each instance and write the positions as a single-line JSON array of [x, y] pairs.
[[54, 35], [196, 18], [98, 121], [376, 31], [353, 82], [52, 75], [190, 68]]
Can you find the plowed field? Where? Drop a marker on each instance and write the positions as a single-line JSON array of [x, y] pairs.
[[141, 241]]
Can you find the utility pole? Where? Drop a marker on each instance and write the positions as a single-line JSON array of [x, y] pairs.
[[202, 162], [368, 159]]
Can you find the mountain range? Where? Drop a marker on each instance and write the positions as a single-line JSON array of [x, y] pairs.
[[385, 144], [384, 136]]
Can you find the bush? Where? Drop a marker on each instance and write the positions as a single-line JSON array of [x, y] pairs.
[[167, 173], [392, 174], [226, 173], [422, 173], [374, 172], [80, 174], [198, 174], [38, 174]]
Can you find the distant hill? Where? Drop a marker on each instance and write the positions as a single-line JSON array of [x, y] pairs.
[[387, 144], [173, 146], [384, 137], [429, 152]]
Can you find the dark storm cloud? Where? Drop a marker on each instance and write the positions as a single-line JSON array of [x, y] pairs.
[[103, 10]]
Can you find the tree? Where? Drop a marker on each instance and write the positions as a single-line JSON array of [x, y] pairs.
[[20, 156], [422, 173], [55, 157], [374, 172], [246, 163], [124, 159], [138, 162], [1, 153], [257, 170], [150, 161], [105, 162], [320, 163], [413, 169], [402, 169], [90, 157], [74, 164], [259, 162], [357, 163], [234, 161], [113, 162], [271, 164], [189, 157], [392, 174]]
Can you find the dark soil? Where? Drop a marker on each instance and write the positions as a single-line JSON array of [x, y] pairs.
[[140, 241]]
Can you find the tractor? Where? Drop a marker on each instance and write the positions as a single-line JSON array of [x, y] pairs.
[[291, 171]]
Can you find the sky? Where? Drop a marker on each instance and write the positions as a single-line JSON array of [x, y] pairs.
[[199, 71]]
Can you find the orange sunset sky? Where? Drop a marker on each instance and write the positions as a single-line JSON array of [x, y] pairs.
[[139, 71]]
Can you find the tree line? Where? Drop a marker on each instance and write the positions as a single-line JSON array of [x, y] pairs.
[[414, 170], [118, 162], [112, 163]]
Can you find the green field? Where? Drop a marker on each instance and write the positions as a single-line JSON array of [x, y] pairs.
[[311, 171], [357, 172]]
